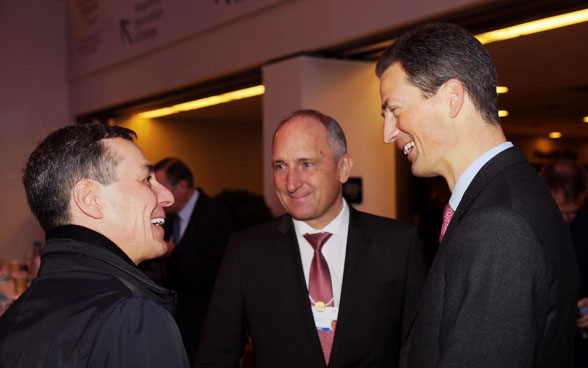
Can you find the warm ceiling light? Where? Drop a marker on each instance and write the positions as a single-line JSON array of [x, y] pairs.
[[555, 135], [585, 119], [502, 113], [535, 26], [204, 102], [501, 89]]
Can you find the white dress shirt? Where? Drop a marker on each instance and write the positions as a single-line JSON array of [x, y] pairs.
[[333, 250]]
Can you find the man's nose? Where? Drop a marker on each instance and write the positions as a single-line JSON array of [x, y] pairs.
[[390, 130], [164, 197], [293, 181]]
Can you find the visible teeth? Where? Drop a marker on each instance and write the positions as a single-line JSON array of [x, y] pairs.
[[408, 147], [158, 221]]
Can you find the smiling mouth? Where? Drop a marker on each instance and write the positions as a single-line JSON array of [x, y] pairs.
[[159, 221], [408, 147]]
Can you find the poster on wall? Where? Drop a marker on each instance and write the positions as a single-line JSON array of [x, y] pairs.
[[104, 32]]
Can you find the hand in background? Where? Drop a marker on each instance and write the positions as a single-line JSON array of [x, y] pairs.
[[582, 321]]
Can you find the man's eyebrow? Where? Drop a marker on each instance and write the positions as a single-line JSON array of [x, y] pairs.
[[385, 104]]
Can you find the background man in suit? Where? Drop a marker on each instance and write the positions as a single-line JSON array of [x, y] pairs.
[[566, 181], [199, 229], [501, 290], [275, 287]]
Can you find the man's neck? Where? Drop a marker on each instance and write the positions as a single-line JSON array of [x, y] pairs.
[[470, 145]]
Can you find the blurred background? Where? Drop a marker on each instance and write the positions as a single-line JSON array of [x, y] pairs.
[[121, 62]]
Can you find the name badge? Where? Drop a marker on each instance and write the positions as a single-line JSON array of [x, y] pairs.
[[325, 320]]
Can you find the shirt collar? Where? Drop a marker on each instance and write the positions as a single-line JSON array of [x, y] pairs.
[[338, 226], [466, 178], [83, 234]]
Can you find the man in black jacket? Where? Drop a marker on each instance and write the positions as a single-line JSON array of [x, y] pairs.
[[95, 194]]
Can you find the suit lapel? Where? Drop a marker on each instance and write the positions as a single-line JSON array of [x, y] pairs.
[[356, 266], [288, 254], [508, 157]]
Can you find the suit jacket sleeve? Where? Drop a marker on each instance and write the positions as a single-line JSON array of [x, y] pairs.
[[224, 331], [488, 293]]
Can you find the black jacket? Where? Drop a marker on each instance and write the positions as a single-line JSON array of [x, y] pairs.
[[90, 307]]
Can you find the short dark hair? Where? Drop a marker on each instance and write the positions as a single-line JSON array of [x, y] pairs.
[[66, 156], [433, 53], [567, 177], [337, 139], [175, 170]]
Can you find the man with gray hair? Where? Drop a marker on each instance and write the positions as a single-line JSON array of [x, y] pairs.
[[323, 284]]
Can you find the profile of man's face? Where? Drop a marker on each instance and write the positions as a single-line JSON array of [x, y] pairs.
[[307, 179], [133, 205], [413, 122]]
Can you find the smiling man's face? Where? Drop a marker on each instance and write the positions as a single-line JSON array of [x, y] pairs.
[[133, 205], [307, 178], [413, 122]]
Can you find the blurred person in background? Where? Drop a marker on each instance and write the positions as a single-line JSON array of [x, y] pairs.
[[95, 195], [566, 180], [198, 229]]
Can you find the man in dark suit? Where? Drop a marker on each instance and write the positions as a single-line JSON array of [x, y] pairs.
[[198, 230], [343, 305], [566, 181], [501, 290]]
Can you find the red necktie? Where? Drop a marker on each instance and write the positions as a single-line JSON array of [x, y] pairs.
[[319, 286], [447, 215]]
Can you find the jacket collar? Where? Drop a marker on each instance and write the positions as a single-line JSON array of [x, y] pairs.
[[101, 256], [506, 158], [83, 234]]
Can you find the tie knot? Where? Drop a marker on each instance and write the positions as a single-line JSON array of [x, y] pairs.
[[317, 239]]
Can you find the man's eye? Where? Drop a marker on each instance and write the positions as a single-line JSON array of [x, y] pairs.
[[308, 164], [147, 180], [394, 111], [278, 166]]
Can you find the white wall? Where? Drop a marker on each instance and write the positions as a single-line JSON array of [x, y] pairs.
[[33, 101], [289, 28], [347, 91]]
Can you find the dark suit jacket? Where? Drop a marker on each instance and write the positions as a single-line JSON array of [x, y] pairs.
[[193, 264], [501, 291], [261, 291]]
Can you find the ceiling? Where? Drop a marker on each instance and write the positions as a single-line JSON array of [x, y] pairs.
[[546, 74]]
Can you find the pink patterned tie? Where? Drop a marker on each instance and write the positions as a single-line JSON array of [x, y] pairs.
[[447, 215], [319, 286]]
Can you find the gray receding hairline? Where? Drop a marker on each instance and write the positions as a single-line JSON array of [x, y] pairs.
[[337, 140]]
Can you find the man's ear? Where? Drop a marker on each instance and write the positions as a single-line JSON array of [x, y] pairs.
[[345, 164], [87, 197], [456, 95]]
